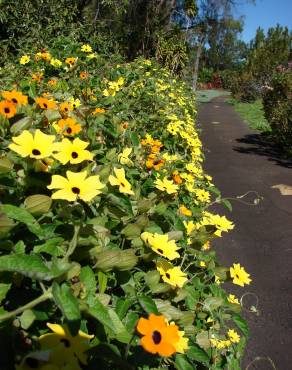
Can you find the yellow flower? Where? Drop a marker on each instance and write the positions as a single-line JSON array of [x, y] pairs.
[[170, 274], [86, 48], [75, 103], [36, 146], [160, 244], [202, 264], [24, 59], [91, 56], [76, 185], [185, 211], [72, 151], [55, 62], [166, 185], [124, 157], [232, 299], [239, 275], [206, 246], [121, 181], [65, 345], [190, 226], [202, 195], [233, 336], [182, 344], [65, 107]]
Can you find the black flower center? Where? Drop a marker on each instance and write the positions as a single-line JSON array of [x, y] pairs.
[[14, 100], [66, 342], [156, 336], [75, 190], [74, 155], [167, 275], [45, 105], [69, 130], [33, 363], [160, 250], [36, 152], [6, 110]]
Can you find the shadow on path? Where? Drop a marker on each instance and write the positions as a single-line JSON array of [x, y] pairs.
[[262, 144]]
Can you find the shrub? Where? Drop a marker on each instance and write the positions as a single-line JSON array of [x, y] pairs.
[[277, 100], [245, 87], [104, 222]]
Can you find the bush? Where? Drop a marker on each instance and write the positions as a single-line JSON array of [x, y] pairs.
[[277, 100], [244, 87], [104, 221]]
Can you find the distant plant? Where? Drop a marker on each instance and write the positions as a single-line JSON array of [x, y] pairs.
[[277, 100]]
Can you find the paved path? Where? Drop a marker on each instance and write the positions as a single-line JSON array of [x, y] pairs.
[[239, 161]]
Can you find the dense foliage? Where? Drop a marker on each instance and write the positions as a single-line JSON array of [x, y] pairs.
[[106, 230], [277, 100]]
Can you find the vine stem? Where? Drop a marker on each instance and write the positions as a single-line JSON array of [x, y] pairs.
[[73, 243], [45, 296]]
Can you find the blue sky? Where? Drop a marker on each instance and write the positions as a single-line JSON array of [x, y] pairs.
[[266, 13]]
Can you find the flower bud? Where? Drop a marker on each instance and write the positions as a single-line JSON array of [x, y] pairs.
[[38, 204]]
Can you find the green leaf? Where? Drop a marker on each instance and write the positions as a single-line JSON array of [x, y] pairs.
[[196, 353], [122, 307], [242, 324], [182, 364], [122, 334], [21, 215], [102, 281], [227, 204], [51, 247], [66, 301], [4, 288], [100, 313], [87, 278], [148, 304], [26, 319], [212, 303], [28, 265], [135, 139], [20, 125]]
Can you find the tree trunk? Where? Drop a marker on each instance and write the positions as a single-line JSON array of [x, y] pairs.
[[197, 61]]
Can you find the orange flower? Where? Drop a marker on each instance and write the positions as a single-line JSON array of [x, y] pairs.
[[124, 125], [65, 107], [83, 75], [37, 77], [98, 110], [15, 97], [52, 82], [45, 103], [7, 109], [70, 61], [158, 336], [176, 178], [69, 126], [155, 149], [185, 211]]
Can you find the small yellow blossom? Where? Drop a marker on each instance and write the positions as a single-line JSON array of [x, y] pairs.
[[160, 244], [166, 185], [121, 181], [239, 275], [170, 274], [124, 157], [232, 299], [233, 336], [86, 48], [24, 59]]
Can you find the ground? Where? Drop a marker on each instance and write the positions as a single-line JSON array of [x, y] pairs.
[[240, 160]]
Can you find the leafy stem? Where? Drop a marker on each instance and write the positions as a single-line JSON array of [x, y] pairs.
[[73, 243], [45, 296]]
